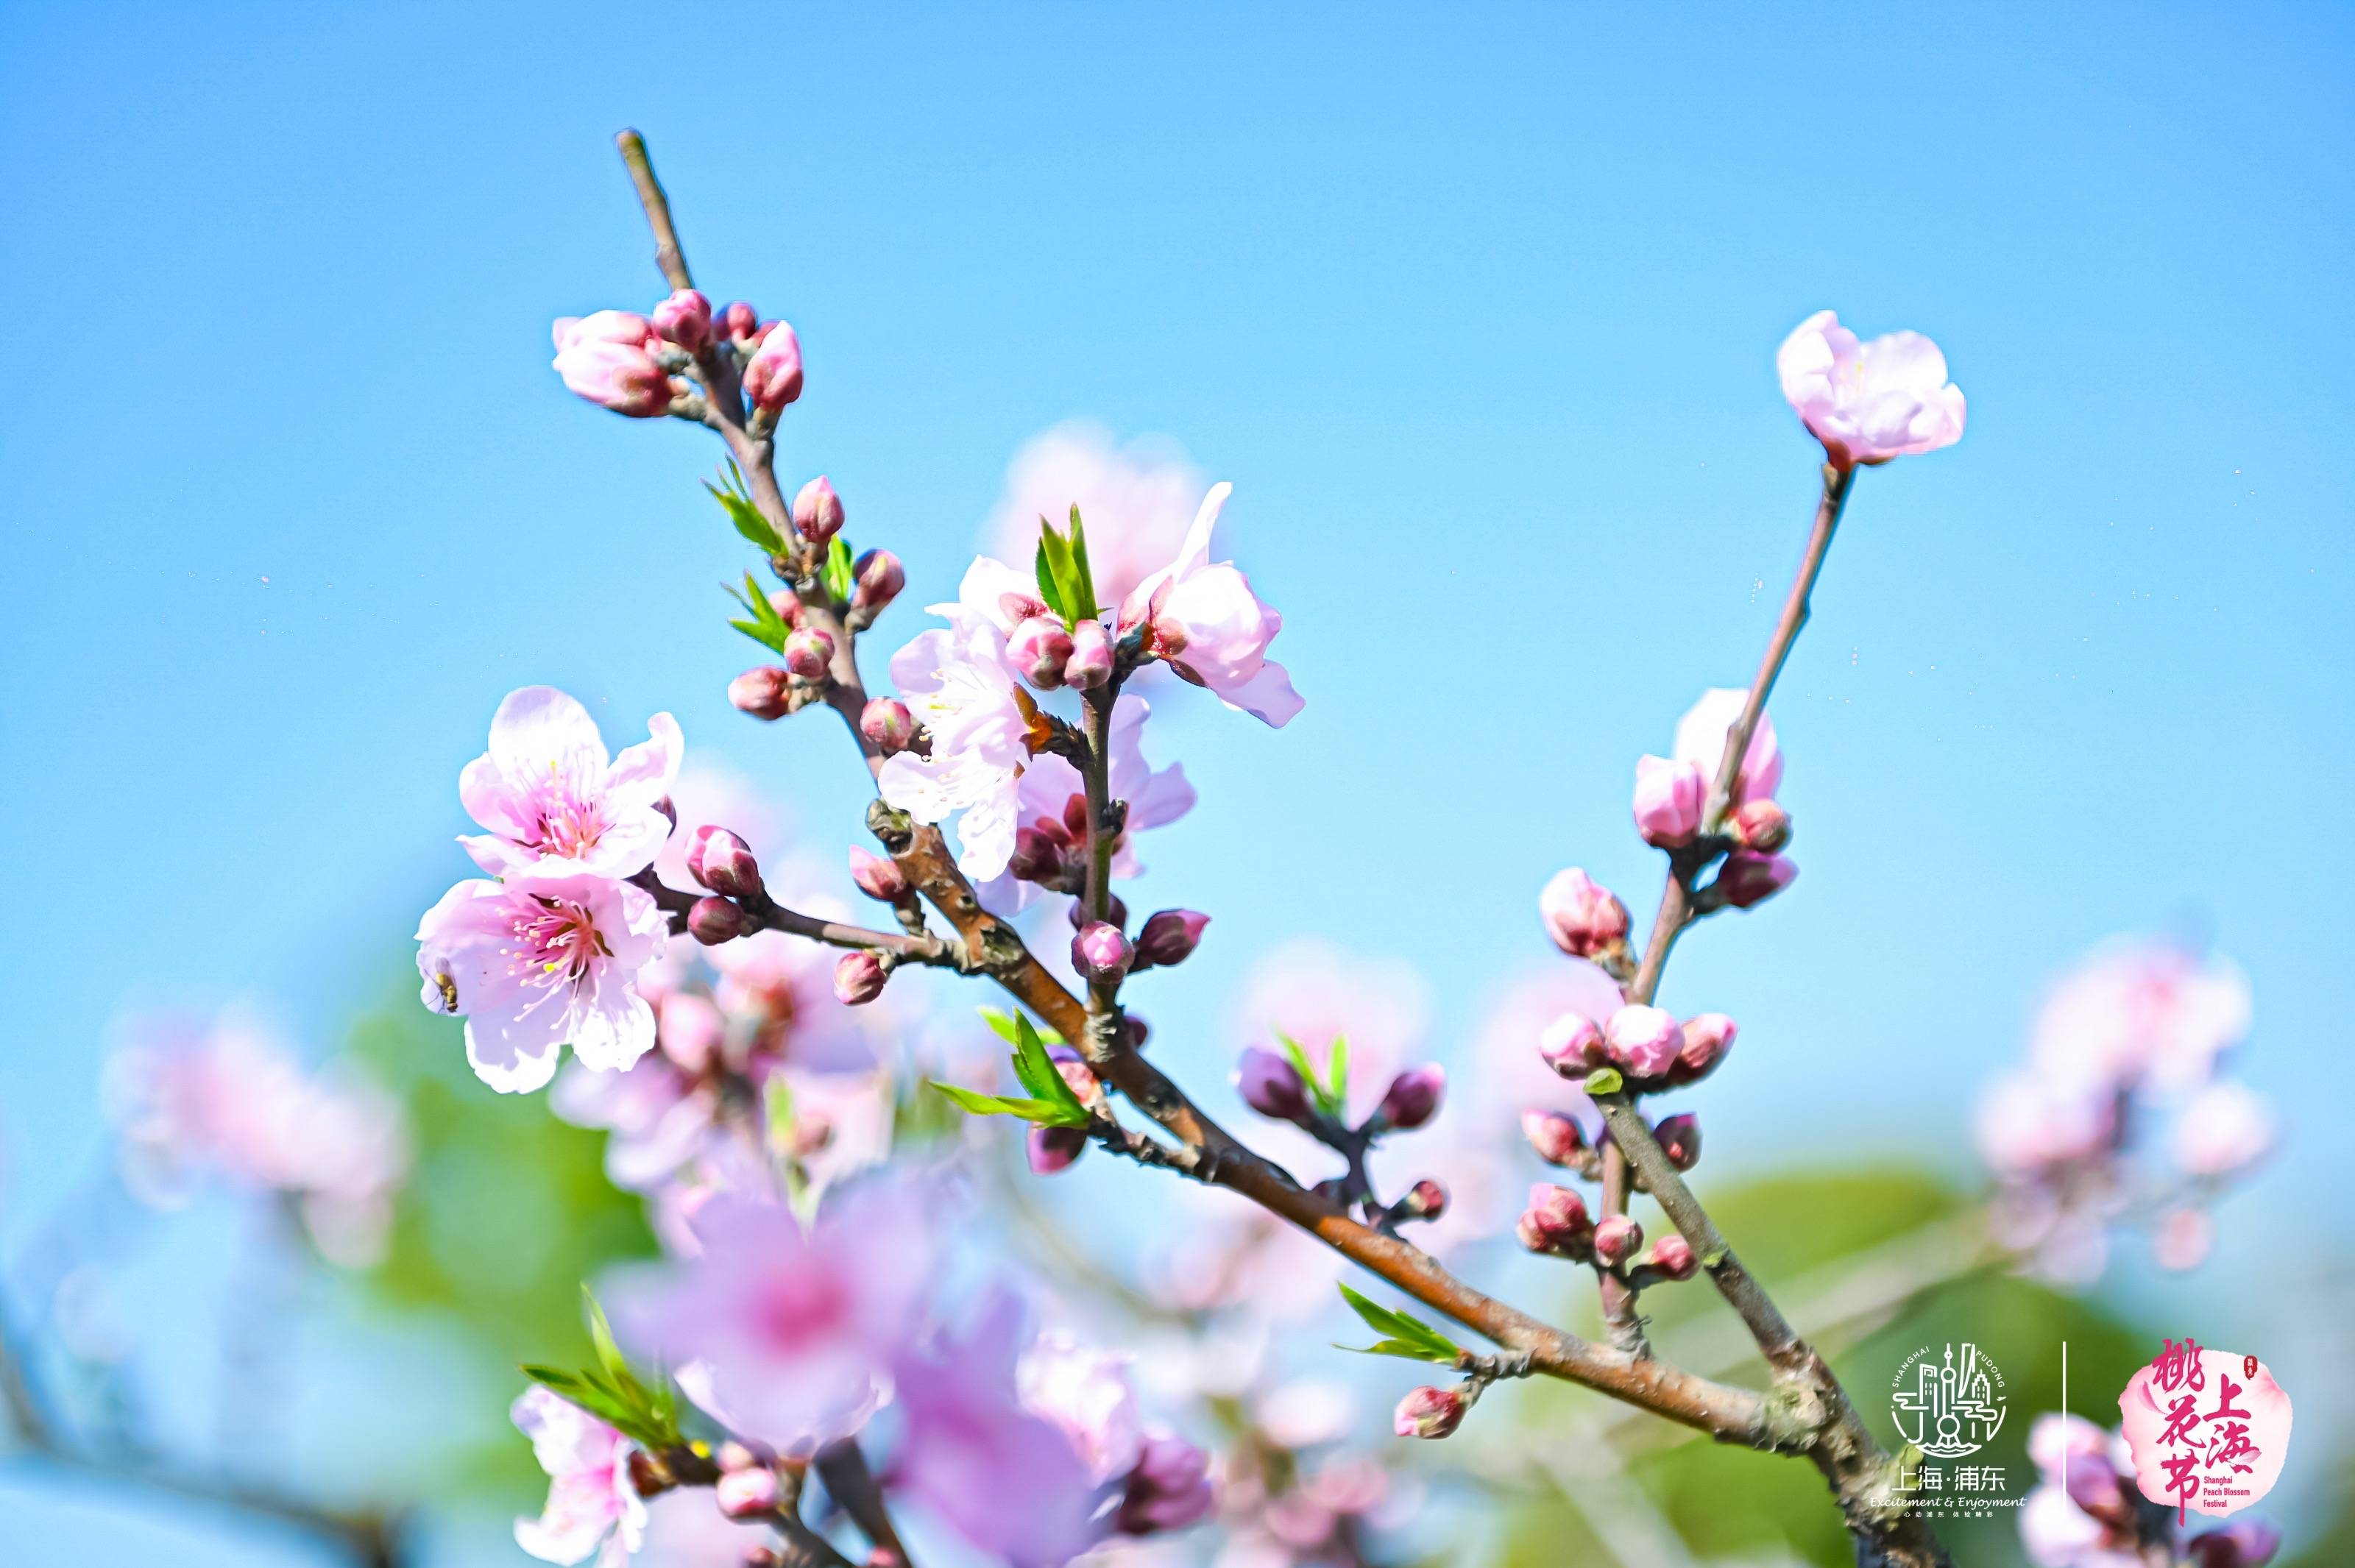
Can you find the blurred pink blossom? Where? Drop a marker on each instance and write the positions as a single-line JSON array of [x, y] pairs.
[[1134, 500], [2225, 1127], [2136, 1008]]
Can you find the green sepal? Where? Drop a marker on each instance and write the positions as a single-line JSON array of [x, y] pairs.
[[1604, 1080], [840, 581]]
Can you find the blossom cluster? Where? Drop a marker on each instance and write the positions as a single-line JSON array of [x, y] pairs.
[[2138, 1031]]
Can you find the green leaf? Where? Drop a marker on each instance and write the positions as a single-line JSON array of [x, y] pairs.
[[1604, 1080], [1001, 1024], [744, 514], [1310, 1078], [1046, 1112], [1404, 1327], [839, 577], [1038, 1074], [766, 628], [1400, 1349], [1336, 1067], [601, 1338], [1082, 596], [1050, 587]]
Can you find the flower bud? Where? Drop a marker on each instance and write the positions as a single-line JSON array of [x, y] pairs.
[[1052, 1150], [1669, 800], [1573, 1045], [684, 319], [818, 511], [809, 653], [738, 320], [604, 357], [1038, 648], [1762, 825], [760, 691], [1746, 878], [1707, 1038], [723, 863], [1680, 1139], [1100, 952], [858, 978], [1090, 664], [1426, 1200], [2244, 1543], [1616, 1238], [715, 919], [648, 1475], [887, 722], [747, 1494], [1643, 1040], [1167, 937], [1413, 1097], [1271, 1085], [1557, 1138], [1555, 1221], [1672, 1256], [1429, 1413], [1169, 1489], [878, 876], [1581, 915], [773, 376], [1037, 857], [1073, 1069], [879, 578], [1114, 911]]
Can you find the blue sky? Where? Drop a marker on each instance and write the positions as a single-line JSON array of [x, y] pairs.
[[1477, 309]]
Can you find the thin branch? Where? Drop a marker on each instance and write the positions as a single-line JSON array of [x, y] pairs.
[[667, 254]]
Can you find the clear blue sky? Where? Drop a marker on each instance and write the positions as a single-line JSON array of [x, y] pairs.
[[1476, 307]]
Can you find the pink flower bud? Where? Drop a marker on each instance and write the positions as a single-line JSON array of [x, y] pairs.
[[879, 578], [1581, 915], [1052, 1150], [787, 604], [1090, 664], [1271, 1085], [1413, 1097], [2244, 1543], [760, 691], [1573, 1045], [723, 863], [747, 1494], [1101, 952], [604, 357], [1616, 1238], [878, 876], [1680, 1139], [1555, 1221], [818, 511], [809, 653], [1038, 649], [1707, 1038], [858, 978], [1426, 1200], [1557, 1138], [1669, 800], [1762, 825], [773, 376], [685, 318], [738, 320], [1673, 1256], [1644, 1041], [715, 919], [887, 722], [1746, 878], [1429, 1413], [1169, 1489], [1169, 937]]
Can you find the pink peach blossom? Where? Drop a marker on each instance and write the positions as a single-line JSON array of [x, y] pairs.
[[959, 684], [554, 801], [539, 962], [1670, 795], [1208, 626], [1869, 402], [592, 1507]]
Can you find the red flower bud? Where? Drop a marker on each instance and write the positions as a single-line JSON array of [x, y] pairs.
[[1673, 1256], [1679, 1138], [809, 653], [878, 876], [818, 511], [887, 722], [1616, 1238], [1555, 1221], [714, 921], [760, 691], [1426, 1200], [1762, 825], [1101, 952], [1038, 649], [1707, 1038], [1582, 916], [858, 978], [1573, 1045], [1169, 937], [1090, 664], [879, 578], [1429, 1413], [1413, 1097], [1556, 1137], [684, 319], [1272, 1085], [1051, 1150], [1746, 878]]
